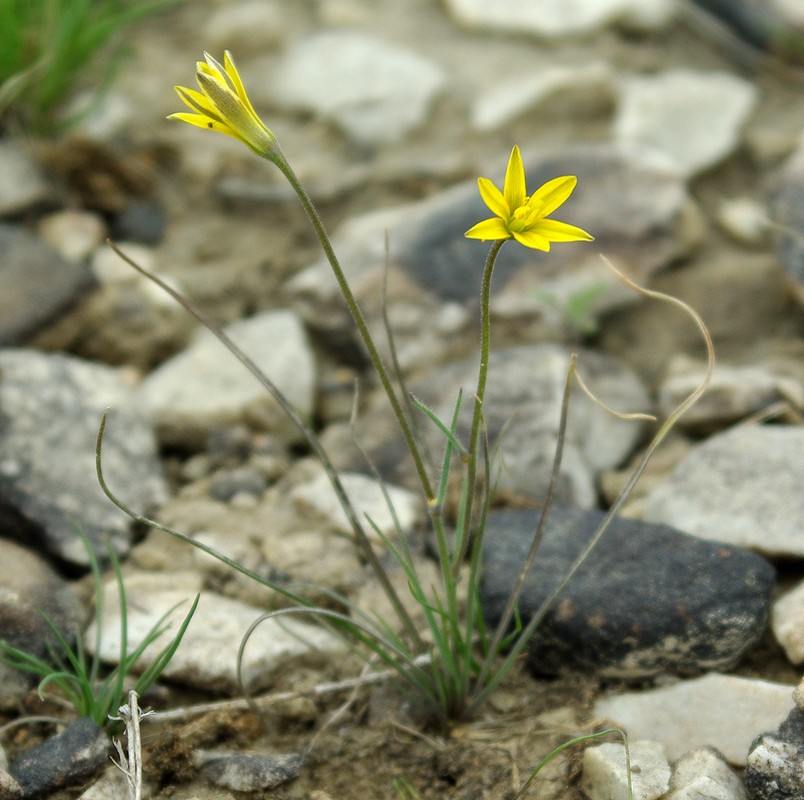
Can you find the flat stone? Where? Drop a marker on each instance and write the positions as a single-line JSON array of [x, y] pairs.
[[745, 220], [787, 622], [256, 25], [743, 296], [704, 775], [205, 387], [368, 499], [734, 392], [721, 711], [38, 284], [22, 183], [374, 90], [243, 772], [693, 118], [742, 487], [556, 90], [555, 18], [51, 407], [207, 656], [607, 621], [74, 234], [605, 771]]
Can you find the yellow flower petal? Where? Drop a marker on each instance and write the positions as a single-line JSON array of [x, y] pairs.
[[549, 196], [493, 197], [197, 101], [234, 114], [488, 230], [231, 71], [194, 119], [533, 240], [222, 105], [514, 187], [521, 217], [557, 231]]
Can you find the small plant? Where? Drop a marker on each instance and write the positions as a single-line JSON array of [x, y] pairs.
[[76, 675], [578, 308], [46, 46], [455, 662], [404, 791]]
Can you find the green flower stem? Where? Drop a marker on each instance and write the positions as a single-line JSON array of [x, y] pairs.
[[278, 158], [485, 345]]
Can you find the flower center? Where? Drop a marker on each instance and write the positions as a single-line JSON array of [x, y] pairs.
[[517, 220]]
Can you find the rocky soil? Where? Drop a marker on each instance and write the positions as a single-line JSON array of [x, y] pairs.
[[683, 124]]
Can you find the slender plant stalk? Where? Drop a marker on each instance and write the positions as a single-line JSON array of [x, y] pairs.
[[480, 393], [281, 162], [552, 491]]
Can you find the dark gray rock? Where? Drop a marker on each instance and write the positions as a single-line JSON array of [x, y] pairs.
[[74, 754], [775, 766], [240, 480], [765, 26], [50, 409], [38, 284], [649, 598], [139, 222], [251, 773]]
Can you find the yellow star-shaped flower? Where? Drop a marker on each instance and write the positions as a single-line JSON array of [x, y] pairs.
[[222, 105], [525, 218]]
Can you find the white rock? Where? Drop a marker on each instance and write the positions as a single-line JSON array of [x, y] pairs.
[[605, 771], [111, 785], [554, 18], [791, 10], [207, 656], [745, 220], [374, 90], [787, 621], [742, 487], [367, 497], [205, 387], [574, 88], [22, 185], [73, 234], [110, 269], [704, 775], [694, 118], [248, 26], [733, 393], [721, 711]]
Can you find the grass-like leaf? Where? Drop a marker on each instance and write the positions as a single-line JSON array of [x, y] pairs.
[[75, 675], [48, 46]]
